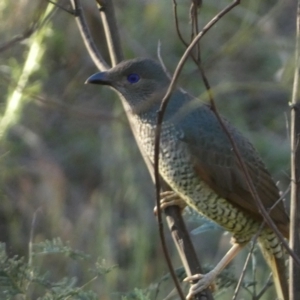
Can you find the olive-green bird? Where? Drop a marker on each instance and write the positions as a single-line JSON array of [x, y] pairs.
[[198, 162]]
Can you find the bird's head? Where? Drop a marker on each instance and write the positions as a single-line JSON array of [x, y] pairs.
[[141, 81]]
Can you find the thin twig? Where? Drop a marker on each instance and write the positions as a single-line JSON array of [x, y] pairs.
[[294, 288], [195, 26], [86, 36], [253, 241], [17, 39], [177, 24], [254, 268], [268, 283], [37, 23], [69, 11], [111, 30]]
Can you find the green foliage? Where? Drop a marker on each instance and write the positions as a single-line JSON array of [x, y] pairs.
[[18, 277], [56, 246], [137, 294], [14, 274]]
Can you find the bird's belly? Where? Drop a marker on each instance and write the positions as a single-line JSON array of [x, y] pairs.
[[177, 170]]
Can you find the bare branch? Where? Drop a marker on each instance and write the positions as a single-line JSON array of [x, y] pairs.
[[253, 241], [265, 287], [111, 31], [39, 20], [86, 36], [177, 24], [295, 173], [17, 39]]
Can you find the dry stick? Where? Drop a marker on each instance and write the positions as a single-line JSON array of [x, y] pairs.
[[86, 36], [265, 287], [239, 284], [36, 24], [294, 288], [166, 98], [17, 39], [196, 60], [177, 24], [195, 26], [111, 30], [250, 184], [254, 273]]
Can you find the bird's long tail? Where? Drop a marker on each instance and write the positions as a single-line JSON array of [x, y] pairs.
[[274, 255]]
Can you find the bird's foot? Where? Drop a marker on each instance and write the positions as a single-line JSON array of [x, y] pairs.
[[170, 198], [204, 281]]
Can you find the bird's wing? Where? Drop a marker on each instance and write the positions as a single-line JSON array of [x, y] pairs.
[[216, 164]]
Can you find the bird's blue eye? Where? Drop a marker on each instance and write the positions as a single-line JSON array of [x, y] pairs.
[[133, 78]]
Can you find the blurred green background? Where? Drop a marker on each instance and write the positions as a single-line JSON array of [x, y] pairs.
[[69, 161]]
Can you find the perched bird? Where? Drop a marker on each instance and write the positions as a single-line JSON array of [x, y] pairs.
[[198, 163]]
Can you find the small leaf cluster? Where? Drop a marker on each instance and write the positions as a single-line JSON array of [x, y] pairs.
[[21, 279]]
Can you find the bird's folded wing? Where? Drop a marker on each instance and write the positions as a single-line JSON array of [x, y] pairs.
[[221, 170]]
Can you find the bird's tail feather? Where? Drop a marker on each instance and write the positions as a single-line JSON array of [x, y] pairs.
[[278, 268]]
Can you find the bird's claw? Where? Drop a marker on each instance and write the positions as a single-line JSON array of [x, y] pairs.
[[204, 281], [170, 198]]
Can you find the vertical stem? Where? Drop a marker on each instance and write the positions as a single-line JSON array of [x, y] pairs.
[[295, 175], [111, 30]]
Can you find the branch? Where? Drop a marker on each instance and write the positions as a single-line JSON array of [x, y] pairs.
[[295, 174], [86, 36], [111, 30], [39, 20]]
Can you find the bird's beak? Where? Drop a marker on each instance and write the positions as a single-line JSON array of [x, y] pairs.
[[99, 78]]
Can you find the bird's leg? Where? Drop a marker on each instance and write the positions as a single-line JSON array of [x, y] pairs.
[[170, 198], [206, 280]]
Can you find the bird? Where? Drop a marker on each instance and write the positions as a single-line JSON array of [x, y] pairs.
[[197, 160]]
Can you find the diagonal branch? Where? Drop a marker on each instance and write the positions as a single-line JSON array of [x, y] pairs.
[[86, 36]]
